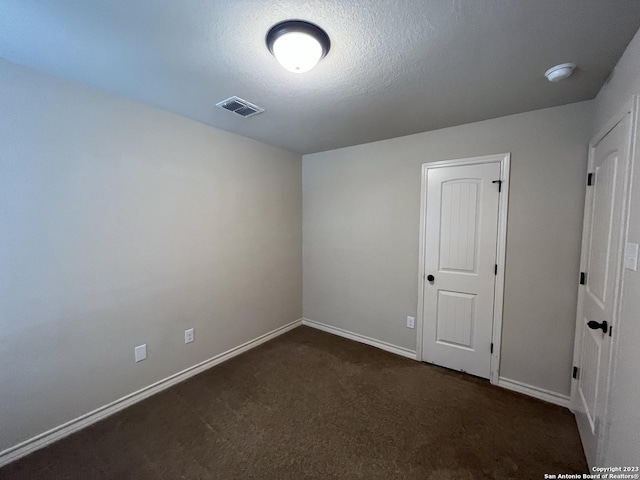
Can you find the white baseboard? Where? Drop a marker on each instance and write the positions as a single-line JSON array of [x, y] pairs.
[[405, 352], [61, 431], [536, 392]]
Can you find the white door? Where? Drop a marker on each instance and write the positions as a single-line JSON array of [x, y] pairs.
[[602, 260], [461, 230]]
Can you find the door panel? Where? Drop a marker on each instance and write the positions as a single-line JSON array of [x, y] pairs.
[[458, 222], [456, 319], [591, 354], [602, 264], [461, 226], [603, 202]]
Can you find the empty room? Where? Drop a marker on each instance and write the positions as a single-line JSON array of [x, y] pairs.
[[324, 239]]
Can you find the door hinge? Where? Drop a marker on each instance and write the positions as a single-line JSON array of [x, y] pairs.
[[491, 347], [495, 269], [499, 182], [575, 372], [590, 179], [583, 278]]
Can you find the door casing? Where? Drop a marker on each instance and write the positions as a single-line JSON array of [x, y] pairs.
[[504, 159], [631, 109]]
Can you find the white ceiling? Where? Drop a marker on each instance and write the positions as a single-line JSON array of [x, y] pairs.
[[394, 68]]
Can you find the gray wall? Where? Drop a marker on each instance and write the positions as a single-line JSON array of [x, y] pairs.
[[624, 438], [360, 229], [120, 225]]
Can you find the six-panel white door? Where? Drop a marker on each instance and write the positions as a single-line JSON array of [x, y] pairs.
[[461, 230], [602, 262]]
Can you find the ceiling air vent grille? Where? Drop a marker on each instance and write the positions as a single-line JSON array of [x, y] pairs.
[[240, 106]]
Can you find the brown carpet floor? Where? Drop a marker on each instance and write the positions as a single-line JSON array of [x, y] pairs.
[[312, 405]]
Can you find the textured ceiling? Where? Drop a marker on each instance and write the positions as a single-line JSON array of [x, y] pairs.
[[394, 68]]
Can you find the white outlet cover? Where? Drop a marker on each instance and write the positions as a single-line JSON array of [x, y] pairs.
[[188, 336], [141, 352], [411, 322]]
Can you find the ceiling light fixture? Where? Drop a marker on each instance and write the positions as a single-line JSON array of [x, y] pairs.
[[560, 72], [298, 45]]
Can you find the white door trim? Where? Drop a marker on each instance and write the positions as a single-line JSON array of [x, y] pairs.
[[504, 159], [631, 108]]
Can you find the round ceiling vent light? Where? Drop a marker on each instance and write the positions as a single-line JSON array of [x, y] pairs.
[[298, 45], [560, 72]]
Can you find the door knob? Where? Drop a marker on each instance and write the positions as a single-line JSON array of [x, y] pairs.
[[595, 325], [431, 278]]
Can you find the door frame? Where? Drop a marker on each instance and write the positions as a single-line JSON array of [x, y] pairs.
[[503, 206], [631, 108]]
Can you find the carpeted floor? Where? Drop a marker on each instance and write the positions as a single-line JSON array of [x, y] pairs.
[[312, 405]]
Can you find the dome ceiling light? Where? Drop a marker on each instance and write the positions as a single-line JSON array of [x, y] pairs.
[[298, 45], [560, 72]]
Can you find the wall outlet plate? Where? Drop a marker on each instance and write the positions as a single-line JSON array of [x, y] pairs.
[[141, 352], [188, 336], [411, 322]]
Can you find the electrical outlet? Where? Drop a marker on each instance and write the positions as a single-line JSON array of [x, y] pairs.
[[411, 322], [188, 336], [141, 352]]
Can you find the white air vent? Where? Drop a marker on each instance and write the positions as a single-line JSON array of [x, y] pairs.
[[240, 106]]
